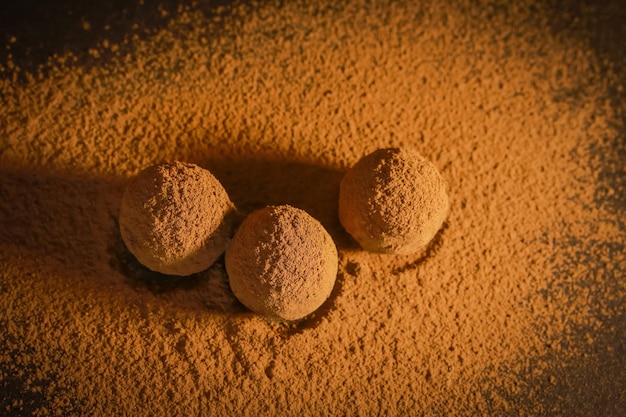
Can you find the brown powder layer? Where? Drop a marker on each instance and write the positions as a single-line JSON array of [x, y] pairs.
[[515, 308], [176, 218], [282, 263], [393, 201]]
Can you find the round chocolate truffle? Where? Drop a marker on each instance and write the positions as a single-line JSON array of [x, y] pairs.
[[282, 263], [176, 218], [393, 201]]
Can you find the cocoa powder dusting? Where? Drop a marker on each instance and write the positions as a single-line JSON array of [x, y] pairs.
[[516, 307]]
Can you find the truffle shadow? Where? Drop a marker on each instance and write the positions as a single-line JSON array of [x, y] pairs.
[[59, 215], [73, 219], [205, 290], [254, 184]]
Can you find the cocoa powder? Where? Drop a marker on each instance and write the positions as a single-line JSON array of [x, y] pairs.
[[515, 308]]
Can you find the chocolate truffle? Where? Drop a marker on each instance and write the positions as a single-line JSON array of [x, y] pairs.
[[393, 200], [282, 263], [176, 218]]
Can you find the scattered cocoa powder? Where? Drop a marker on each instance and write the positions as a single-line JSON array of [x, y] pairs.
[[393, 201], [282, 263], [515, 308]]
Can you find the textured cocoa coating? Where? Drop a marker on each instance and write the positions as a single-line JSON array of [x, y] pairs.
[[282, 263], [176, 218], [393, 200]]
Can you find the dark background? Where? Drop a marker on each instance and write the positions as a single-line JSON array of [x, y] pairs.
[[31, 31], [42, 28]]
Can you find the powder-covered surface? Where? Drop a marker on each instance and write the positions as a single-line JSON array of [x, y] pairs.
[[281, 263], [176, 218], [393, 200], [516, 308]]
